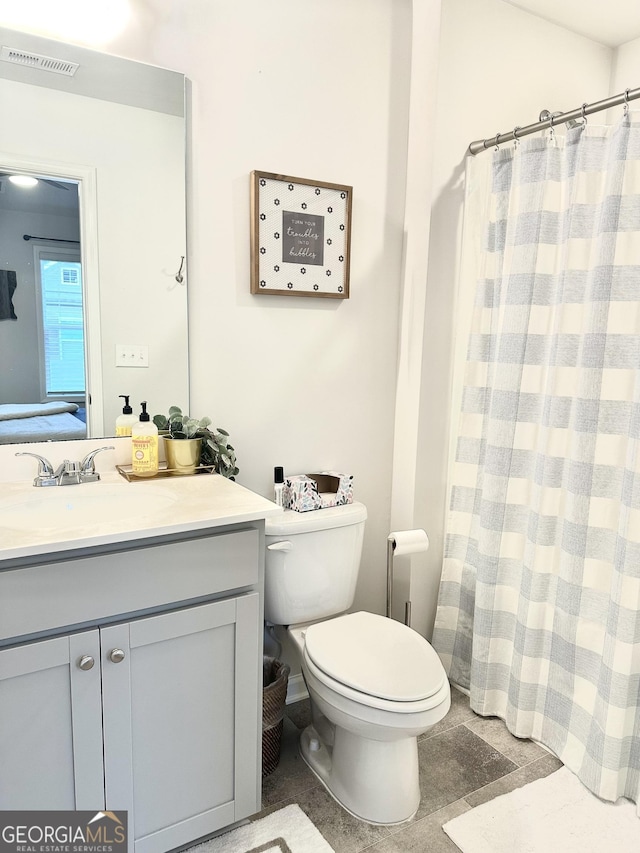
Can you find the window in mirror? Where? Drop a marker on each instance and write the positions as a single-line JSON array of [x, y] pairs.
[[59, 282]]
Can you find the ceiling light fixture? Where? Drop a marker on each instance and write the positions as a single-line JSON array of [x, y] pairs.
[[23, 180]]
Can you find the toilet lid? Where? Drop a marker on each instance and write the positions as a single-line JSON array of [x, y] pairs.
[[376, 656]]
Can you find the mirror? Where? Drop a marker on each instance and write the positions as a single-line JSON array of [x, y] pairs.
[[89, 257]]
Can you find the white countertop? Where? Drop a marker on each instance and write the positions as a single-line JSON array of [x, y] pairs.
[[37, 521]]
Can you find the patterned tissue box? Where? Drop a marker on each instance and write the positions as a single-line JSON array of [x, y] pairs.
[[304, 492]]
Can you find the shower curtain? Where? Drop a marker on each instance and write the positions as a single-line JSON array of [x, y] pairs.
[[539, 605]]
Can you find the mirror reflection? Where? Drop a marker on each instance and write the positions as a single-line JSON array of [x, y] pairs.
[[43, 387], [90, 304]]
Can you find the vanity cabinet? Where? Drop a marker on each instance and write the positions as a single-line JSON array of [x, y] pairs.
[[50, 725], [152, 704], [179, 721]]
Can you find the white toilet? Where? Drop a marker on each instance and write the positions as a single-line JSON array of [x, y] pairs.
[[374, 683]]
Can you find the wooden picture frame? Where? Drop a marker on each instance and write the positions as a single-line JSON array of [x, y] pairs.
[[300, 236]]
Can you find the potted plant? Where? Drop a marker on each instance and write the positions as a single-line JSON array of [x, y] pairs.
[[190, 442]]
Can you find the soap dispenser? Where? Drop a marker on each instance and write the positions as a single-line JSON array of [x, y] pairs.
[[144, 445], [127, 419]]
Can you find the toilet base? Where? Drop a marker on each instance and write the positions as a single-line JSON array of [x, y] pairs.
[[375, 781]]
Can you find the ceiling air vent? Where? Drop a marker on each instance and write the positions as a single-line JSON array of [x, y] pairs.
[[36, 60]]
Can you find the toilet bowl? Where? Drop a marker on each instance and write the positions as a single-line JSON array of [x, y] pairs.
[[374, 684]]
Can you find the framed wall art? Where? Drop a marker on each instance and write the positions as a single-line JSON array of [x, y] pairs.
[[300, 236]]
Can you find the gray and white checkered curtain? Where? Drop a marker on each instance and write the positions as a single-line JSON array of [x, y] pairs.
[[539, 606]]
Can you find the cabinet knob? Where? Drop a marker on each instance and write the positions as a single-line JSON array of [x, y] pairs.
[[116, 655], [86, 662]]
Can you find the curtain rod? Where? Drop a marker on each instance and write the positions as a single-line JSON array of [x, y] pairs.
[[49, 239], [553, 120]]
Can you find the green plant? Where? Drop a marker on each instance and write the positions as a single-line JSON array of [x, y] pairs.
[[215, 450]]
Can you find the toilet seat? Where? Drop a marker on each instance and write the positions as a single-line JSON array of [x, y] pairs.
[[378, 661], [364, 700]]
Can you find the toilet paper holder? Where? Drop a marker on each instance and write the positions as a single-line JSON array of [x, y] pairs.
[[399, 543]]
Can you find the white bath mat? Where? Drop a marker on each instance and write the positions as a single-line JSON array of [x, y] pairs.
[[288, 830], [556, 814]]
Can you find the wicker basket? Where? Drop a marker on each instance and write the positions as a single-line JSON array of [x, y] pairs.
[[275, 677]]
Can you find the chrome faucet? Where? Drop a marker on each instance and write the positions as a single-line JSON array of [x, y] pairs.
[[46, 475], [67, 473]]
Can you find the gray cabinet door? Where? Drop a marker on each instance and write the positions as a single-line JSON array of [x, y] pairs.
[[51, 725], [181, 707]]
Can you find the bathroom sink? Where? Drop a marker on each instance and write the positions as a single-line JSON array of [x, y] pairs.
[[80, 505]]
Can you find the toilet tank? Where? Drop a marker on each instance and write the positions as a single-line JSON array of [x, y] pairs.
[[312, 563]]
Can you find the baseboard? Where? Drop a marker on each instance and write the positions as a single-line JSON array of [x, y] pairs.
[[296, 689]]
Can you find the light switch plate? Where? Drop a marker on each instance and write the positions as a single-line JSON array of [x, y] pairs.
[[132, 355]]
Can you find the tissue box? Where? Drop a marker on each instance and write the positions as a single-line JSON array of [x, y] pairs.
[[304, 492]]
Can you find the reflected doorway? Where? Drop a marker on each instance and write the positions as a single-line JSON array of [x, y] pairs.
[[42, 347]]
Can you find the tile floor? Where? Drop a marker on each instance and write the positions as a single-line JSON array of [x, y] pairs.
[[465, 760]]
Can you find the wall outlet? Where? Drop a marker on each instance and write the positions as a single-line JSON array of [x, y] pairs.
[[132, 355]]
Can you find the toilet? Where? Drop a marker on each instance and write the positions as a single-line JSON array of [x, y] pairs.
[[375, 685]]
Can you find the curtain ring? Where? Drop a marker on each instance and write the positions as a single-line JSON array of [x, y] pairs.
[[584, 118], [626, 102], [552, 132], [496, 141], [515, 130]]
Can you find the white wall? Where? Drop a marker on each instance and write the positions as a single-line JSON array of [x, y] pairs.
[[625, 73], [499, 67]]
